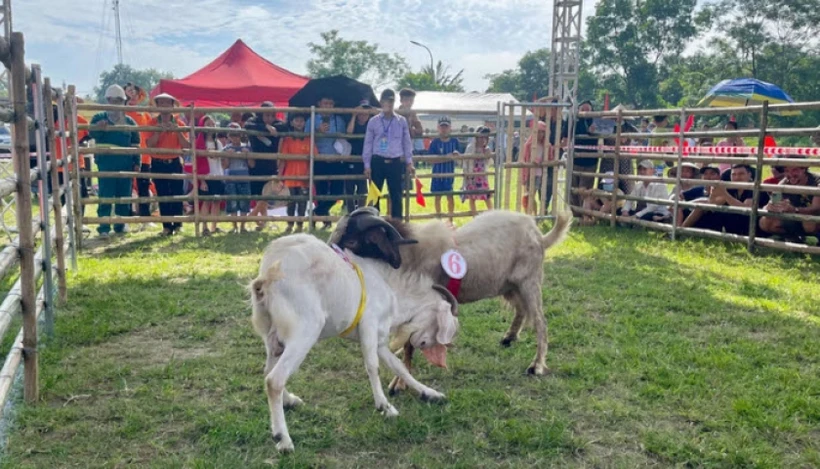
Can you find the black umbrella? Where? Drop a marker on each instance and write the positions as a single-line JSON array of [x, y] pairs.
[[346, 92]]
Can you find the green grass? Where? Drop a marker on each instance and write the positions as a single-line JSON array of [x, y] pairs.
[[662, 354]]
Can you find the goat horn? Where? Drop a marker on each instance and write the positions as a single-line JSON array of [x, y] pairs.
[[449, 297]]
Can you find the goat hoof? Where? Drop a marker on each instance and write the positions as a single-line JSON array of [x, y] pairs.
[[537, 370], [433, 396], [389, 411], [291, 401], [507, 341], [396, 386], [285, 446]]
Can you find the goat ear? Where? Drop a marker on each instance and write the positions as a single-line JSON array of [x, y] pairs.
[[447, 326], [388, 249], [449, 297], [258, 289]]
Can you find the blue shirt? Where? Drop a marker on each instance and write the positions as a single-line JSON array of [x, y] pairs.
[[324, 145], [397, 133], [438, 147]]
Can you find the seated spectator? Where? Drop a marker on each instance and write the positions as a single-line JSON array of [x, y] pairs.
[[802, 204], [709, 173], [734, 223], [778, 173], [688, 190], [600, 202], [653, 190], [733, 141]]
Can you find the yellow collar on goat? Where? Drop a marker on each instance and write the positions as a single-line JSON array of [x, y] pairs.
[[362, 301]]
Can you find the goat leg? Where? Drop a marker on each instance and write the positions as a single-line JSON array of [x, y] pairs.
[[393, 362], [397, 384]]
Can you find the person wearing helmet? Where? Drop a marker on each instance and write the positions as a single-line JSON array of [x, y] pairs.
[[103, 136]]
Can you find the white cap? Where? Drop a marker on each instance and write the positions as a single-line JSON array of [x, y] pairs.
[[646, 164], [166, 96], [115, 91]]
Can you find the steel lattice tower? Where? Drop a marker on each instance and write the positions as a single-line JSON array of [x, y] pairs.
[[565, 53]]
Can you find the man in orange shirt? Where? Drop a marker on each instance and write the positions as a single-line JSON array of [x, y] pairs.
[[82, 137], [136, 96], [168, 138]]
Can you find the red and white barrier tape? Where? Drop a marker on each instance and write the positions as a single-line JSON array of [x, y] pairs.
[[768, 151]]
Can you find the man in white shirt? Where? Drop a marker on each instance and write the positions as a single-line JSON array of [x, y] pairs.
[[653, 190]]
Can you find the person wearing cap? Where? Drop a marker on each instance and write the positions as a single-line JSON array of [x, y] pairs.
[[388, 151], [653, 190], [266, 123], [689, 191], [473, 179], [801, 204], [171, 139], [444, 147], [236, 167], [734, 223], [114, 187], [357, 187]]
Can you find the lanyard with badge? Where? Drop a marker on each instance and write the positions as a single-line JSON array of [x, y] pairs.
[[385, 133]]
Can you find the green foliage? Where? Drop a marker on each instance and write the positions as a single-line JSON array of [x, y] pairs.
[[121, 74], [359, 60], [429, 79], [631, 39], [530, 79]]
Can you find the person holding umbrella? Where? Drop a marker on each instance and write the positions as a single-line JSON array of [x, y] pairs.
[[388, 150]]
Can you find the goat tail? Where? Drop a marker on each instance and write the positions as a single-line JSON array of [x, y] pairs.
[[559, 231], [260, 298]]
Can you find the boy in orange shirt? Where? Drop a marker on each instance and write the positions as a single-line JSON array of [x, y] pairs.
[[297, 168]]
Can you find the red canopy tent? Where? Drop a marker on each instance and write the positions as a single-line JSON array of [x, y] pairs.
[[238, 77]]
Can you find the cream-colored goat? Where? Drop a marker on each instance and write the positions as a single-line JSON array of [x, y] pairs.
[[306, 292], [504, 252]]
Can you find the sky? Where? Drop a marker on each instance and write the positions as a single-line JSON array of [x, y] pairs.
[[74, 41]]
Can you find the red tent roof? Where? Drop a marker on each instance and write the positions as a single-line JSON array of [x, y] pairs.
[[238, 77]]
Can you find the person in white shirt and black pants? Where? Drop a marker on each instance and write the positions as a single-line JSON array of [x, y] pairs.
[[653, 190]]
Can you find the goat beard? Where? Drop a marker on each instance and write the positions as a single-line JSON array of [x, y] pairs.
[[436, 355]]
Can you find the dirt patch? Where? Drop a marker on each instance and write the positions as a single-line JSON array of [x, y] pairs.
[[148, 347]]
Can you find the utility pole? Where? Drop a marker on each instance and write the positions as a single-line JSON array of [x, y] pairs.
[[118, 30]]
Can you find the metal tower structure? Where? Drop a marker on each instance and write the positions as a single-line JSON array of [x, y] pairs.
[[565, 53], [118, 30]]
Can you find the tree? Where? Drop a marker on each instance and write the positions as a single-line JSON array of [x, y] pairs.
[[629, 42], [359, 60], [122, 74], [531, 78], [429, 79]]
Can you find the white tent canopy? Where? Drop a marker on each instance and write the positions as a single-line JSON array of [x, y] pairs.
[[433, 104]]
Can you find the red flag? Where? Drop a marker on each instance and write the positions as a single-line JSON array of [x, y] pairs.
[[769, 141], [690, 122], [419, 196]]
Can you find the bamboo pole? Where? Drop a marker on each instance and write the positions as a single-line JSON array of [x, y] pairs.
[[10, 254], [508, 178], [616, 166], [59, 240], [43, 197], [67, 179], [556, 149], [681, 136], [194, 175], [75, 170], [764, 122], [11, 303], [18, 73], [16, 353], [311, 176], [497, 181]]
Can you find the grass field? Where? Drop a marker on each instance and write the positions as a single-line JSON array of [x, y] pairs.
[[662, 354]]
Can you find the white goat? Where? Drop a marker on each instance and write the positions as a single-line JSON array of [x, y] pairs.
[[504, 253], [306, 292]]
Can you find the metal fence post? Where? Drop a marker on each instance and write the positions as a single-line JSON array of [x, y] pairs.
[[761, 145], [310, 167], [45, 223], [69, 162], [681, 136]]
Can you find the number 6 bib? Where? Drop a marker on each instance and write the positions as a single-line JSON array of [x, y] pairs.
[[454, 264]]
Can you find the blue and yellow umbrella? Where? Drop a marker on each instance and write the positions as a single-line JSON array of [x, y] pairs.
[[745, 92]]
